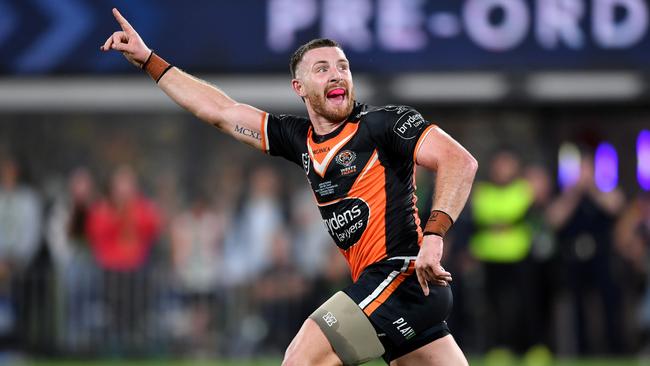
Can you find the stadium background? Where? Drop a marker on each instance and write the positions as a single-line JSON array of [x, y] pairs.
[[238, 255]]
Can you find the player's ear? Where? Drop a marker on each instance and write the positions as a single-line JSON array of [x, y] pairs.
[[298, 88]]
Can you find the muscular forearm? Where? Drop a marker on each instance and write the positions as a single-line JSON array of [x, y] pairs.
[[453, 183], [455, 168], [203, 100]]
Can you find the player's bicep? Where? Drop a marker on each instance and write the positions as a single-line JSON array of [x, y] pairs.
[[245, 123], [436, 146]]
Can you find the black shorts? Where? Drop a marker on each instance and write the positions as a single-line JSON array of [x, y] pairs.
[[390, 295]]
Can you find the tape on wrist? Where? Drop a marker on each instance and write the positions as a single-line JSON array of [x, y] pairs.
[[438, 224], [156, 67]]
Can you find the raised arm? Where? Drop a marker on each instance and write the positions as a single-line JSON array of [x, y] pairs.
[[455, 168], [205, 101]]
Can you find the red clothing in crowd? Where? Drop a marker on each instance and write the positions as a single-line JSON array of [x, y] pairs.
[[121, 239]]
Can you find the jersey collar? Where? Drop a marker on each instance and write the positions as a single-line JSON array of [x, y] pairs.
[[353, 117]]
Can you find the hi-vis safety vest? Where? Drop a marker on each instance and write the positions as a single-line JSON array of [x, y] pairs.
[[499, 212]]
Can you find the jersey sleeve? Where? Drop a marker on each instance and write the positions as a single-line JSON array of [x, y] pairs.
[[401, 130], [283, 135]]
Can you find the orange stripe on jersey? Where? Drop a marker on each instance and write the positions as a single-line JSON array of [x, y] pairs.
[[369, 165], [322, 153], [370, 187], [420, 141], [389, 290], [263, 123]]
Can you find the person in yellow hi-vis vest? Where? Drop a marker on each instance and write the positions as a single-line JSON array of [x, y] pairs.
[[501, 242]]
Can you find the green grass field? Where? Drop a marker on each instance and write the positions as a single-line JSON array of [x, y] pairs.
[[473, 362]]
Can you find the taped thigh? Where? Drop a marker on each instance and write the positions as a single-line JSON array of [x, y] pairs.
[[348, 330]]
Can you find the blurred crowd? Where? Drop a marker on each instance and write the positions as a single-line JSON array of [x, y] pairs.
[[544, 272], [235, 275], [233, 268]]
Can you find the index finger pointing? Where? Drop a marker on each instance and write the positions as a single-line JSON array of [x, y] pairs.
[[122, 21]]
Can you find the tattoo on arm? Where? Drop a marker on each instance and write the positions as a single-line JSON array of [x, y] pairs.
[[248, 132]]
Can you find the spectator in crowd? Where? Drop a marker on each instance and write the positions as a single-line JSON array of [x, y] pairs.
[[20, 235], [584, 218], [197, 243], [279, 294], [122, 230], [501, 242], [633, 242], [248, 251], [311, 243], [544, 266], [73, 262], [311, 247]]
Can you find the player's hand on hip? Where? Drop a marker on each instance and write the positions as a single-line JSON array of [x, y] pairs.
[[128, 42], [427, 264]]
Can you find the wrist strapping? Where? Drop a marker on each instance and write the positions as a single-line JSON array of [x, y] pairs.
[[155, 66], [438, 224]]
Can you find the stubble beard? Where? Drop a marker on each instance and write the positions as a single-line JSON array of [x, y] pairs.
[[332, 113]]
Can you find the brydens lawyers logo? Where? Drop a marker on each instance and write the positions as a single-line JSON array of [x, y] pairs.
[[408, 125], [346, 221]]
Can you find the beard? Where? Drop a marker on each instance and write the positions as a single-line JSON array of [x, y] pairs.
[[333, 113]]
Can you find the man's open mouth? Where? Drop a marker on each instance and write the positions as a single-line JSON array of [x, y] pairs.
[[336, 95]]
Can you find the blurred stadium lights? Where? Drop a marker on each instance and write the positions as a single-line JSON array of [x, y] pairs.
[[606, 167], [643, 159], [584, 86], [137, 93], [568, 166], [80, 94], [450, 87], [273, 92]]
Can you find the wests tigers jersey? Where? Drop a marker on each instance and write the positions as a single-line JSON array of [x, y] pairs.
[[362, 176]]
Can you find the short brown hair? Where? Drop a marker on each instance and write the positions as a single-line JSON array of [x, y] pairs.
[[300, 52]]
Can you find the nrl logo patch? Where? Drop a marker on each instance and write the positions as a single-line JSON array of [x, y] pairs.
[[397, 109], [346, 157], [306, 162]]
